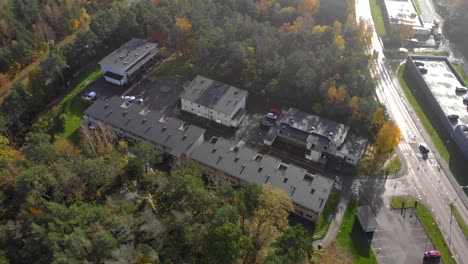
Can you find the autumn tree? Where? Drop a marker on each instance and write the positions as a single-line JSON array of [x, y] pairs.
[[388, 137], [378, 118], [337, 95], [308, 7], [354, 105]]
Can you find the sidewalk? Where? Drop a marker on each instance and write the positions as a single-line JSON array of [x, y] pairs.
[[337, 219]]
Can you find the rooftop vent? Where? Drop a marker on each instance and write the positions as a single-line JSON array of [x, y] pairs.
[[107, 105], [146, 46], [191, 143], [242, 169], [308, 177], [125, 112], [331, 134], [282, 167], [184, 136], [267, 178], [293, 190], [312, 191], [213, 140], [149, 127], [125, 63], [219, 159], [144, 120], [163, 129], [285, 180], [260, 169], [235, 149], [136, 54], [236, 159], [258, 157], [213, 150]]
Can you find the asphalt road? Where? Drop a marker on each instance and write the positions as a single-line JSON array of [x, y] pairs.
[[427, 182]]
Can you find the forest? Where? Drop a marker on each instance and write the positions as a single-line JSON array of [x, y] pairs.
[[453, 25], [273, 48], [62, 203], [104, 200]]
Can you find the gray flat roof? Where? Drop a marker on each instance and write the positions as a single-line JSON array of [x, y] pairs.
[[442, 83], [305, 189], [131, 55], [213, 94], [354, 145], [299, 124], [403, 12], [174, 134]]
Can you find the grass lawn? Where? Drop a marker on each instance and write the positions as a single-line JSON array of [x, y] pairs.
[[393, 165], [378, 18], [352, 238], [418, 7], [427, 221], [462, 73], [460, 221], [72, 106], [323, 224]]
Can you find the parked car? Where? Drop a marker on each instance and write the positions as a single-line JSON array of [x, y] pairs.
[[90, 95], [272, 116], [461, 89], [432, 255], [465, 99], [274, 111]]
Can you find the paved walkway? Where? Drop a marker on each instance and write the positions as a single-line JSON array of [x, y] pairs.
[[338, 216]]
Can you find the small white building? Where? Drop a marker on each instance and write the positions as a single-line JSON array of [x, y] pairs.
[[213, 100], [122, 65]]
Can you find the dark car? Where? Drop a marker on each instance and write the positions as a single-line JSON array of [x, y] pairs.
[[432, 255], [424, 149]]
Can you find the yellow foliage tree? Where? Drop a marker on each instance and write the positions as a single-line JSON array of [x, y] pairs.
[[354, 105], [7, 153], [268, 221], [337, 95], [308, 7], [388, 137], [184, 24], [379, 117], [74, 24]]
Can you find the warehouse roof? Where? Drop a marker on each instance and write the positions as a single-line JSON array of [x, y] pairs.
[[213, 94], [131, 55], [308, 190], [173, 134], [442, 82]]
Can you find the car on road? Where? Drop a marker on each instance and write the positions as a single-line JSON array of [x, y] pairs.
[[432, 255], [424, 149], [461, 89]]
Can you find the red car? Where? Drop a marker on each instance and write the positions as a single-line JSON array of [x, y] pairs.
[[432, 255], [274, 111]]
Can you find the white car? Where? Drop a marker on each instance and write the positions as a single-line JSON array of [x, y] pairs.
[[272, 116], [90, 95]]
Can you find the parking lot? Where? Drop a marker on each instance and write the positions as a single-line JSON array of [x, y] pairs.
[[400, 237], [158, 94]]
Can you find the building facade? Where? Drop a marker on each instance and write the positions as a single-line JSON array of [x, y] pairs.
[[235, 164], [318, 137], [215, 101], [124, 64], [136, 123]]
